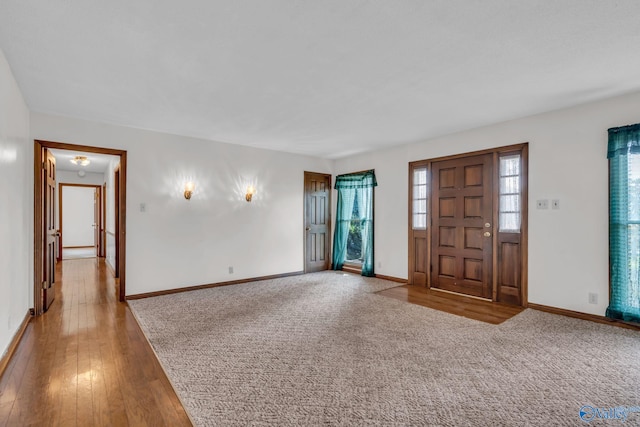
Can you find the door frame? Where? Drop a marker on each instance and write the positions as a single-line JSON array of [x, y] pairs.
[[117, 207], [304, 218], [61, 229], [523, 148], [38, 220]]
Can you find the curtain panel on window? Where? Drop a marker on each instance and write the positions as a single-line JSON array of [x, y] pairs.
[[624, 223], [351, 187]]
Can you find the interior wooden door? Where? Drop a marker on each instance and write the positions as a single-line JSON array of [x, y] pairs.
[[317, 219], [96, 219], [462, 212], [49, 229], [103, 219], [117, 210]]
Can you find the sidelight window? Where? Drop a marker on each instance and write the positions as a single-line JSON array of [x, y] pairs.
[[510, 193], [419, 211]]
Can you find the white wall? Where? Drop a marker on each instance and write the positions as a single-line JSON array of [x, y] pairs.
[[77, 216], [568, 248], [16, 207], [70, 177], [178, 243]]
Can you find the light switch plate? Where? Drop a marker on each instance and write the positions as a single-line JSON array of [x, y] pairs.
[[542, 204]]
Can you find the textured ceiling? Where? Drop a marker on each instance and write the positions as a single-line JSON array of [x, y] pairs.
[[324, 78]]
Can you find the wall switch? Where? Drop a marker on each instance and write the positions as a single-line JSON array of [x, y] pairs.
[[542, 204], [593, 298], [230, 270], [555, 204], [143, 207]]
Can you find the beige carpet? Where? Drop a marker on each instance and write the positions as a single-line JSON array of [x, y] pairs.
[[322, 349]]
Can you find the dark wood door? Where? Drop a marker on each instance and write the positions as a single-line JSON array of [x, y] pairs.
[[117, 210], [96, 219], [49, 229], [462, 206], [317, 221]]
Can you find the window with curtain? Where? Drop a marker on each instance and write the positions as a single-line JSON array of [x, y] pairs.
[[624, 223], [353, 235]]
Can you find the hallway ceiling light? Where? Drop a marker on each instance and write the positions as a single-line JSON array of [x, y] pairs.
[[80, 160]]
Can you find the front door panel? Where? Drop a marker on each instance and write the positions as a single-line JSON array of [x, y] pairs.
[[462, 207]]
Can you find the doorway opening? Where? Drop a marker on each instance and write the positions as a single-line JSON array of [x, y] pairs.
[[81, 221], [46, 236]]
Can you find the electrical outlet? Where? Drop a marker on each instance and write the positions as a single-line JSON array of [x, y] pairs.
[[593, 298], [230, 270], [542, 204], [379, 264], [555, 204]]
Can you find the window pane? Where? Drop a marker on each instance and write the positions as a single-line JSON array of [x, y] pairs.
[[510, 184], [354, 239], [420, 206], [633, 188], [510, 165], [419, 221], [419, 191], [510, 190], [510, 203], [420, 176], [419, 212], [510, 222]]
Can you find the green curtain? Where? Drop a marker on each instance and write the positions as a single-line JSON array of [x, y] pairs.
[[351, 187], [346, 197], [624, 223]]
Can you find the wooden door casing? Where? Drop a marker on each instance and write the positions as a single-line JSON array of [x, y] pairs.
[[509, 268], [462, 221], [317, 221], [419, 248], [38, 211]]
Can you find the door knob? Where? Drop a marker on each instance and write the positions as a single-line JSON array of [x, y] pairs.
[[487, 234], [487, 225], [308, 228]]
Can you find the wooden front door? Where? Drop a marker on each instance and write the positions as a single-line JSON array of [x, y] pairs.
[[49, 229], [462, 246], [317, 221]]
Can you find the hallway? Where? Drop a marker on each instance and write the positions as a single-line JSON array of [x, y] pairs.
[[86, 362]]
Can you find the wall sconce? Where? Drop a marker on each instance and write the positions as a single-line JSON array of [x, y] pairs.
[[250, 192], [189, 187]]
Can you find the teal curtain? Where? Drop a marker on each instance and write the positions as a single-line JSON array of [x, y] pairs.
[[624, 223], [351, 187], [346, 197]]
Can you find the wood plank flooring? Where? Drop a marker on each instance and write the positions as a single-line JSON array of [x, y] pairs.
[[473, 308], [86, 362]]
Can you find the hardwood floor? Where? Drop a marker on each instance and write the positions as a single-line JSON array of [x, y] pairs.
[[473, 308], [86, 362]]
